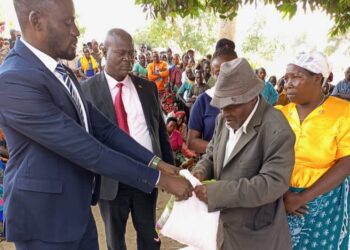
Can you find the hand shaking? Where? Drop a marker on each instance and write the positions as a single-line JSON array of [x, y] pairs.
[[176, 185]]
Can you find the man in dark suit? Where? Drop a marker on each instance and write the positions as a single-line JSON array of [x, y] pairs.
[[145, 124], [58, 142]]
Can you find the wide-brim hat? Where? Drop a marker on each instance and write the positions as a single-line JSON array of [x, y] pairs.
[[236, 84]]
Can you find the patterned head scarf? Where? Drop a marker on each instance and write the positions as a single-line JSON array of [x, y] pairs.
[[315, 62]]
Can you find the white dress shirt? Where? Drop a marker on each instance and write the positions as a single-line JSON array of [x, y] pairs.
[[136, 119], [235, 135], [51, 64]]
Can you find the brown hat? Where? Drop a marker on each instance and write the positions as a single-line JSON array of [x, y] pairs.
[[236, 84]]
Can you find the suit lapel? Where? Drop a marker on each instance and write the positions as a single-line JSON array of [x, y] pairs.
[[25, 52], [77, 85], [221, 150], [102, 91]]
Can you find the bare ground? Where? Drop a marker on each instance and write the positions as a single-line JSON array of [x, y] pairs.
[[167, 244]]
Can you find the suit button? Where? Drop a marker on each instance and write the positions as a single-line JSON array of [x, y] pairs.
[[225, 225]]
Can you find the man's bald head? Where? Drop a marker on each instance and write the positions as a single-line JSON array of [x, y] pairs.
[[25, 7], [49, 25], [115, 34], [119, 53]]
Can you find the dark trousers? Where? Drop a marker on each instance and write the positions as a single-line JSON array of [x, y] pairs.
[[143, 213], [89, 241]]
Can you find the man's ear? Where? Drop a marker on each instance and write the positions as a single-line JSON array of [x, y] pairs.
[[35, 20]]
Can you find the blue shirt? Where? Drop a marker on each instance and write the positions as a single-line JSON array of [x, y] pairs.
[[186, 86], [343, 87], [269, 93], [90, 72], [202, 117]]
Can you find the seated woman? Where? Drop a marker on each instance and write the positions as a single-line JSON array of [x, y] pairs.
[[188, 81], [318, 199], [177, 143], [198, 87]]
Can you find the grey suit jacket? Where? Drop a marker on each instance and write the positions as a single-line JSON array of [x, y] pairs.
[[96, 90], [249, 188]]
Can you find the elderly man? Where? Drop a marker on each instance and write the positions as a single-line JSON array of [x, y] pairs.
[[251, 156]]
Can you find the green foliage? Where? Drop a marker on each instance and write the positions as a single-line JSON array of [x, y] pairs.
[[341, 43], [339, 11], [187, 33], [259, 48]]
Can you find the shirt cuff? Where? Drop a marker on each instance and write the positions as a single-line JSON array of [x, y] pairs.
[[158, 179], [153, 164]]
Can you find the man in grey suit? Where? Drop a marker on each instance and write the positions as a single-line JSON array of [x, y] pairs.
[[145, 124], [251, 155]]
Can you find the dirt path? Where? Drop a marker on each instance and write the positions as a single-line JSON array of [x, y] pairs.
[[167, 244]]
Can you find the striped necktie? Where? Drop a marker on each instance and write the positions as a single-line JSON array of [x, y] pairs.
[[74, 94]]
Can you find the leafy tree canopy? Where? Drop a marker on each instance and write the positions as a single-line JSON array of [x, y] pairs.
[[338, 10], [185, 33]]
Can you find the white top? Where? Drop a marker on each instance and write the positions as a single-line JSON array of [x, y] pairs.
[[51, 64], [234, 136], [210, 92], [136, 119]]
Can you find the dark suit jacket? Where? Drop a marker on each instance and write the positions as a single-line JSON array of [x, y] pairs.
[[250, 186], [96, 90], [49, 178]]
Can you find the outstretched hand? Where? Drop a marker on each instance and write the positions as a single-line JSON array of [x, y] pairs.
[[199, 175], [201, 193], [168, 169], [176, 185]]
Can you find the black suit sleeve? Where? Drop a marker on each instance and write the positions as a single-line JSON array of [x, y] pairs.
[[167, 152]]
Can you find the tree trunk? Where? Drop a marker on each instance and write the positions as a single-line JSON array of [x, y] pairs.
[[227, 29]]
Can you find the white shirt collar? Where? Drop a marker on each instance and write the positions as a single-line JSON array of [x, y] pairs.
[[47, 60], [246, 122], [210, 92], [112, 83]]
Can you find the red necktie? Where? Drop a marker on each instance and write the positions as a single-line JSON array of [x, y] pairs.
[[120, 113]]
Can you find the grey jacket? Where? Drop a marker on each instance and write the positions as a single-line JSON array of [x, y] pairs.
[[249, 188]]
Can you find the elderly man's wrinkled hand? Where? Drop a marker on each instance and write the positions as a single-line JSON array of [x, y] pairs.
[[201, 193], [199, 175]]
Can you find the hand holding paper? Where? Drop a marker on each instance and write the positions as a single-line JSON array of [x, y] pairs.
[[201, 193], [189, 222], [176, 185], [168, 168]]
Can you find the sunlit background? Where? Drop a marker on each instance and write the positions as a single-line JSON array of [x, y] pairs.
[[305, 31]]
